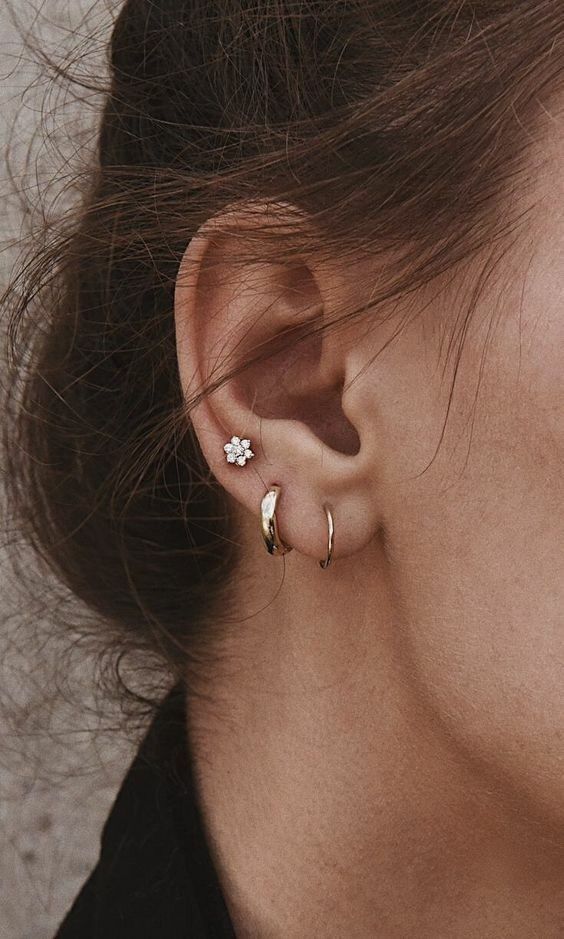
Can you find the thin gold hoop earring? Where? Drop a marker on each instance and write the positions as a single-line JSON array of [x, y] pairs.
[[330, 538], [269, 524]]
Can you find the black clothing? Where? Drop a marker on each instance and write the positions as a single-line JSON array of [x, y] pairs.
[[155, 877]]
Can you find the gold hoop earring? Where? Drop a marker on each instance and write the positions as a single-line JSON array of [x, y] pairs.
[[269, 524], [330, 538]]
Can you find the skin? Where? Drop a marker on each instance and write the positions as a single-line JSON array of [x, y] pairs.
[[380, 745]]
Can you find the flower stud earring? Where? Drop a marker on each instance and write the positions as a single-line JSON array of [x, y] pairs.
[[238, 451]]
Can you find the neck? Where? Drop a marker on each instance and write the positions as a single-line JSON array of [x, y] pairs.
[[335, 801]]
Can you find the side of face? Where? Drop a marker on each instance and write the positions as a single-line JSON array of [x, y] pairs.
[[473, 505], [459, 416]]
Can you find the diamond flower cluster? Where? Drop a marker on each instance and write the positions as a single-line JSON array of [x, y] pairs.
[[238, 451]]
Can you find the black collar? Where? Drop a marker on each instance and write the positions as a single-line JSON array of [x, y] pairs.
[[155, 878]]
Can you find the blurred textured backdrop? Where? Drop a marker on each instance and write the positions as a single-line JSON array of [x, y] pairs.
[[60, 761]]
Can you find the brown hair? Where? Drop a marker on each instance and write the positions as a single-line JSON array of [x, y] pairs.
[[394, 125]]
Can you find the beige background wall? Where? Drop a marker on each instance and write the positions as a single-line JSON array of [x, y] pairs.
[[59, 768]]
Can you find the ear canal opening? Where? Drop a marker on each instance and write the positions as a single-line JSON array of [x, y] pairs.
[[289, 383], [323, 413]]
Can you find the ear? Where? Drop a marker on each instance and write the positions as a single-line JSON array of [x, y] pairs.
[[237, 308]]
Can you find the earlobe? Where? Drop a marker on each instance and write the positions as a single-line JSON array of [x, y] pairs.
[[279, 416]]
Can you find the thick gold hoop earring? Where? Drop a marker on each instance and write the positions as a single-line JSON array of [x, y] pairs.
[[330, 538], [269, 524]]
